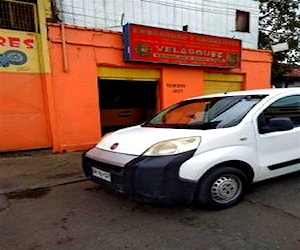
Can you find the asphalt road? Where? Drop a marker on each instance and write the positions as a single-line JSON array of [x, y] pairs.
[[83, 215]]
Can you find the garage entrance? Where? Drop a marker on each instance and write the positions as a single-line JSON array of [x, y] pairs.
[[127, 96], [126, 103]]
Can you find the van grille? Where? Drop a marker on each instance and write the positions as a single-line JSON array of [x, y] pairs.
[[117, 176]]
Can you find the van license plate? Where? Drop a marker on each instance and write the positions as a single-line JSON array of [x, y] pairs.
[[101, 174]]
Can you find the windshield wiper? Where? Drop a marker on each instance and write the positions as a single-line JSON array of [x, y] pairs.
[[203, 125], [164, 125]]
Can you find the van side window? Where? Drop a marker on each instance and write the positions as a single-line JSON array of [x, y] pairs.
[[287, 107]]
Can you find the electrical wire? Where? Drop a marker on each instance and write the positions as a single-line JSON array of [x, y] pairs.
[[104, 16], [217, 2], [181, 6]]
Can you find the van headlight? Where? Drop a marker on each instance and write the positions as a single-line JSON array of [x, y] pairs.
[[172, 147]]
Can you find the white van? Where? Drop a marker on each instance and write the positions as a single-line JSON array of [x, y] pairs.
[[207, 149]]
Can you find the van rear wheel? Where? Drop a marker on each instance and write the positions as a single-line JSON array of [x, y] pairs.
[[222, 187]]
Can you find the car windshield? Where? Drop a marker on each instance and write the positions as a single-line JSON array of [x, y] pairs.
[[206, 113]]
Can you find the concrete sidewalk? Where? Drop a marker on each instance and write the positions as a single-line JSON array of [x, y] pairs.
[[21, 171]]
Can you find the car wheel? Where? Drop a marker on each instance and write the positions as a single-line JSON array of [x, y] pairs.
[[222, 187]]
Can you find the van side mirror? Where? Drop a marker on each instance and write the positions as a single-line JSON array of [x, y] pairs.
[[278, 124], [281, 124]]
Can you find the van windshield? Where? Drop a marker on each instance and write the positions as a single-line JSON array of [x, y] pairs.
[[206, 113]]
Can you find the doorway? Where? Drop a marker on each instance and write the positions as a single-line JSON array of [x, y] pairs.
[[125, 103]]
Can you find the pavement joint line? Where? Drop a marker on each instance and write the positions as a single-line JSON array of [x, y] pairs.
[[272, 207]]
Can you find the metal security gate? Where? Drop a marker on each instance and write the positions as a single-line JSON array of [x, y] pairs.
[[220, 83], [23, 116]]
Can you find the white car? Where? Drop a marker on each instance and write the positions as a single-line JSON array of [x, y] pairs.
[[207, 149]]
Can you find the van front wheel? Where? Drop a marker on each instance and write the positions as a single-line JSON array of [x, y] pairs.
[[222, 187]]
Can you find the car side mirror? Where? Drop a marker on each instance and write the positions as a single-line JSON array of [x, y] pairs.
[[278, 124]]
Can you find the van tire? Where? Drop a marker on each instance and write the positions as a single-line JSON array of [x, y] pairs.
[[222, 187]]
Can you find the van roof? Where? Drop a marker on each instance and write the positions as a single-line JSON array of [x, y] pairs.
[[272, 91]]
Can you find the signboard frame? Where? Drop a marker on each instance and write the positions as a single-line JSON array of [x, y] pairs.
[[164, 46]]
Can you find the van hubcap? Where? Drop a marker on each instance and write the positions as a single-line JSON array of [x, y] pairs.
[[226, 188]]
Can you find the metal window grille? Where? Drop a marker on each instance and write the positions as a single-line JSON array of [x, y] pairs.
[[16, 15]]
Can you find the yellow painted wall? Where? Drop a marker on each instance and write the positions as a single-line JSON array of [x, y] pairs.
[[26, 52], [47, 7], [19, 51], [128, 73]]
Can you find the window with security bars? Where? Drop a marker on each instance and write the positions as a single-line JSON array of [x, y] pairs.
[[18, 15]]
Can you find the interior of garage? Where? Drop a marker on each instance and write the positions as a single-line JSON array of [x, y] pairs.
[[126, 103]]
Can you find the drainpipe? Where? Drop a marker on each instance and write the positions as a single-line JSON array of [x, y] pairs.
[[64, 47]]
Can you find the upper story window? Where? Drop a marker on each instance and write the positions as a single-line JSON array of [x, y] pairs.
[[242, 21], [18, 15]]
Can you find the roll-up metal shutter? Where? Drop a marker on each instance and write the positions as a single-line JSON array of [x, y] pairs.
[[220, 83]]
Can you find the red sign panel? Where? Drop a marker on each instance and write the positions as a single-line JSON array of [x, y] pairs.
[[149, 44]]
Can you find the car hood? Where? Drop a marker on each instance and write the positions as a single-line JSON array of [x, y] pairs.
[[136, 140]]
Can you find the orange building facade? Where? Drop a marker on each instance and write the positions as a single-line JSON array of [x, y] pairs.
[[24, 70], [88, 90]]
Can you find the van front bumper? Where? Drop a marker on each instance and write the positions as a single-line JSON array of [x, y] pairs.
[[151, 179]]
